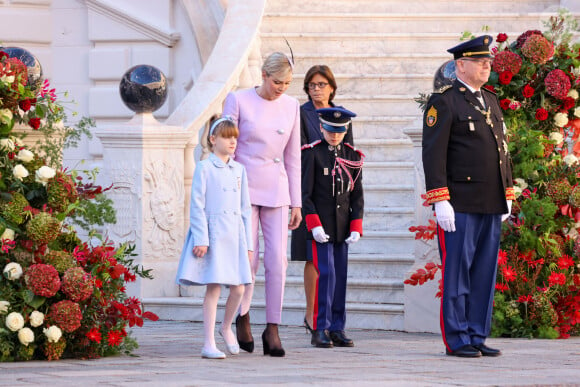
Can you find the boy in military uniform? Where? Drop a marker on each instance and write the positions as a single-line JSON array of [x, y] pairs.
[[332, 202], [468, 179]]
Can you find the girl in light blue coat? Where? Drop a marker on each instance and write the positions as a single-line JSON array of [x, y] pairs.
[[218, 246]]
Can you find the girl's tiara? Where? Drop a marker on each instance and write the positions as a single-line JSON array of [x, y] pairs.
[[218, 121]]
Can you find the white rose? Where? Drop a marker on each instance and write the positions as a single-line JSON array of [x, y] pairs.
[[26, 336], [517, 191], [25, 156], [8, 79], [14, 321], [577, 112], [7, 143], [5, 116], [8, 234], [556, 137], [4, 306], [560, 119], [53, 334], [570, 159], [44, 174], [573, 94], [36, 318], [20, 172], [521, 183], [13, 271]]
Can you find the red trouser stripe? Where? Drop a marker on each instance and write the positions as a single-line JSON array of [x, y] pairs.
[[315, 263], [441, 236]]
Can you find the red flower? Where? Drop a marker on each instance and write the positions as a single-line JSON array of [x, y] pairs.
[[3, 55], [541, 114], [77, 284], [557, 279], [568, 103], [42, 280], [502, 258], [34, 123], [538, 49], [557, 84], [490, 88], [501, 287], [528, 91], [94, 335], [565, 262], [25, 105], [116, 271], [505, 104], [508, 273], [507, 61], [505, 77], [66, 315], [114, 338], [527, 298], [501, 37]]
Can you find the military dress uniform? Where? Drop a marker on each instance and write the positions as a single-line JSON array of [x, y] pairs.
[[466, 162], [332, 197]]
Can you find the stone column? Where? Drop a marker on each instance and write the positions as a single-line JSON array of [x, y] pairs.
[[144, 160], [421, 306]]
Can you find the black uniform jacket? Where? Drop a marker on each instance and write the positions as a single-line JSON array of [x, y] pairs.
[[331, 201], [465, 155]]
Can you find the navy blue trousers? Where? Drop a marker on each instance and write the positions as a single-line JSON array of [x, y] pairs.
[[331, 262], [469, 259]]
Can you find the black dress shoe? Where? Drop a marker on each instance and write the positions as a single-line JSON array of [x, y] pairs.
[[465, 351], [487, 351], [339, 339], [320, 339]]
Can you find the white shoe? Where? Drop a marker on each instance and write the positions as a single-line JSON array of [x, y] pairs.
[[212, 353], [233, 349]]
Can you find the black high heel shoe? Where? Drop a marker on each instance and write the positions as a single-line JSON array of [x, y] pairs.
[[307, 326], [243, 325], [272, 330]]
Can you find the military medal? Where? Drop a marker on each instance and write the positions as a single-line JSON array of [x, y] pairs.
[[485, 113]]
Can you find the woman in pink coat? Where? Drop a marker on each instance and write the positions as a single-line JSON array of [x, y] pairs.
[[269, 149]]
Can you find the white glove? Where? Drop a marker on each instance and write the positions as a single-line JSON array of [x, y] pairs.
[[353, 238], [319, 235], [505, 216], [445, 215]]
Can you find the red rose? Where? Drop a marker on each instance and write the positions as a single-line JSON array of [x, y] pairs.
[[528, 91], [568, 103], [541, 114], [490, 88], [3, 55], [25, 105], [505, 77], [505, 104], [34, 123], [501, 37]]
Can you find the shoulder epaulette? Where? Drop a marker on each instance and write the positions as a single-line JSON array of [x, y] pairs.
[[311, 145], [486, 89], [362, 155], [442, 89]]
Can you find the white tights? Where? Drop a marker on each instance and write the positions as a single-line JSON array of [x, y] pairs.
[[212, 294]]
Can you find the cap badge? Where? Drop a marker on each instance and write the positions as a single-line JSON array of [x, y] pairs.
[[337, 114], [431, 118], [486, 41]]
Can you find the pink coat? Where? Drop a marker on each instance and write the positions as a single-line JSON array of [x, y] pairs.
[[268, 146]]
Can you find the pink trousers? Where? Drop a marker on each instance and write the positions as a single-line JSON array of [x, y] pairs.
[[274, 224]]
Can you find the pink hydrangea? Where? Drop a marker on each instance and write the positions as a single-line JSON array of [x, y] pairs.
[[557, 84], [538, 49], [507, 61], [42, 280]]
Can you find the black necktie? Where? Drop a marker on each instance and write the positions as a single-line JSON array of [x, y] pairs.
[[477, 94], [479, 98]]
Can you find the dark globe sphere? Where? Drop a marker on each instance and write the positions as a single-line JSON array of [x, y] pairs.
[[32, 65], [143, 88], [445, 75]]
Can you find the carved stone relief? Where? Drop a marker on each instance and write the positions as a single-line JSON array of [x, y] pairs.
[[125, 196]]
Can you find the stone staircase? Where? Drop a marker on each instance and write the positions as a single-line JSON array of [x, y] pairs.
[[383, 54]]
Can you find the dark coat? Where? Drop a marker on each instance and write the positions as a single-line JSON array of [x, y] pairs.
[[328, 200], [465, 159]]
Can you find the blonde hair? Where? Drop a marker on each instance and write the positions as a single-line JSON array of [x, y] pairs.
[[224, 128], [277, 63]]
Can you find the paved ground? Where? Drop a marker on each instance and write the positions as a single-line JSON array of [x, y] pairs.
[[169, 355]]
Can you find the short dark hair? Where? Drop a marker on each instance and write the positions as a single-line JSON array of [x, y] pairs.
[[326, 72]]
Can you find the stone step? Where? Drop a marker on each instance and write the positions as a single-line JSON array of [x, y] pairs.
[[385, 195], [389, 218], [379, 127], [388, 316], [451, 22], [385, 149], [363, 83], [415, 6], [364, 63], [389, 172], [395, 242]]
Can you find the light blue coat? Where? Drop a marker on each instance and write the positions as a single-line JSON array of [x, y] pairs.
[[220, 217]]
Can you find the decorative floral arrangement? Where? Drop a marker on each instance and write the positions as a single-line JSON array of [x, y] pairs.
[[537, 80], [59, 296]]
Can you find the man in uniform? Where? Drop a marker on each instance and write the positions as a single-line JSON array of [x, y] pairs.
[[468, 179], [332, 201]]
